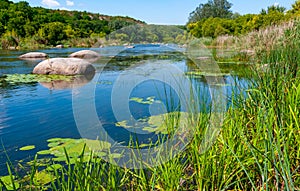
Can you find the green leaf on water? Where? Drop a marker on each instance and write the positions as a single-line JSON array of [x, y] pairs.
[[44, 152], [33, 78], [27, 148], [8, 182], [54, 167], [43, 178], [149, 100], [159, 124], [74, 148]]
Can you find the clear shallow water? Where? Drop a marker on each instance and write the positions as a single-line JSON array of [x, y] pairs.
[[32, 113]]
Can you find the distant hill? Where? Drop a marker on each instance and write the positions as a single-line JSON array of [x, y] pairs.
[[19, 21]]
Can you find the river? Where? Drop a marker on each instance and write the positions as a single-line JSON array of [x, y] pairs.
[[134, 78]]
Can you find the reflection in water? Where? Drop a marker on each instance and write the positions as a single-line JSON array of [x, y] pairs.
[[75, 82], [2, 114]]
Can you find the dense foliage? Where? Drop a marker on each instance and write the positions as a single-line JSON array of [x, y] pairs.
[[204, 22], [136, 34], [215, 8], [49, 27]]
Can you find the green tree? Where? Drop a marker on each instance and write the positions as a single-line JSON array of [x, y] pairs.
[[52, 33], [4, 4], [275, 8], [213, 8], [17, 24], [2, 29], [29, 29], [70, 32], [4, 17], [295, 8]]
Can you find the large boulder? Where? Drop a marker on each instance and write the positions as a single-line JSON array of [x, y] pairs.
[[64, 66], [85, 54], [33, 55]]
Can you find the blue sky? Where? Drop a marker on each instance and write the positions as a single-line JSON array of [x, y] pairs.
[[153, 11]]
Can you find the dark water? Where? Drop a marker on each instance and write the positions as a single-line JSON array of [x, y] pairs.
[[32, 113]]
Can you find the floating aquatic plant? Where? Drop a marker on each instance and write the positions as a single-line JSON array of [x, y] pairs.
[[43, 177], [75, 147], [27, 148], [164, 123], [149, 100], [9, 182], [13, 79]]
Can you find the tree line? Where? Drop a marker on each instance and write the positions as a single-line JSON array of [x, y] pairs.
[[215, 18], [50, 27]]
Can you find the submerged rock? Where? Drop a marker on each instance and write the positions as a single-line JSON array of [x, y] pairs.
[[64, 66], [33, 55], [85, 54]]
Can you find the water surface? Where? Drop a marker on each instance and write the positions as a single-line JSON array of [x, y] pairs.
[[32, 113]]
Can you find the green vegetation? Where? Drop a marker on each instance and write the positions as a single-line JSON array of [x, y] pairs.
[[257, 148], [213, 8], [24, 26], [135, 34], [215, 18], [159, 124], [14, 79], [27, 148], [74, 147], [149, 100]]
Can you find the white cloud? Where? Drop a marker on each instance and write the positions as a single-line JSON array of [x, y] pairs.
[[50, 3], [64, 8], [276, 4], [69, 3]]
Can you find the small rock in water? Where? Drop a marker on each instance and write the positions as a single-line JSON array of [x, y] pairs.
[[34, 55], [85, 54], [60, 46]]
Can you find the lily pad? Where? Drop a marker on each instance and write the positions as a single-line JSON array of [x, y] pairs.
[[27, 148], [9, 185], [74, 148], [33, 78], [43, 177], [54, 167], [44, 152], [164, 123], [149, 100]]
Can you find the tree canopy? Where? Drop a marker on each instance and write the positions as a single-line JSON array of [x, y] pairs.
[[215, 18], [46, 26], [213, 8]]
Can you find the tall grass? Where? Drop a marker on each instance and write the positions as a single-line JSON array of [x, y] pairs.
[[263, 39], [258, 147]]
